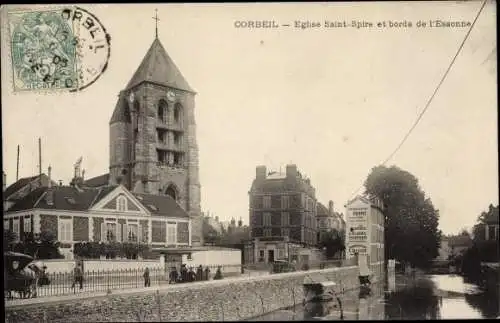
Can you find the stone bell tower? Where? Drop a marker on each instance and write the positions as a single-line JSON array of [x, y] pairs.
[[153, 146]]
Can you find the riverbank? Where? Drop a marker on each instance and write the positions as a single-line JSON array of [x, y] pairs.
[[419, 297]]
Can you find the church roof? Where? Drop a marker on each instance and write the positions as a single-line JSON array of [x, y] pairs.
[[158, 67]]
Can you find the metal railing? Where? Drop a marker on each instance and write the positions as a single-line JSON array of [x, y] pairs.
[[65, 283]]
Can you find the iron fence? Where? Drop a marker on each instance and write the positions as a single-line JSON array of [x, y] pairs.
[[65, 283]]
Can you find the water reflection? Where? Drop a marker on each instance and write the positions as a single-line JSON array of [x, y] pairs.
[[419, 298]]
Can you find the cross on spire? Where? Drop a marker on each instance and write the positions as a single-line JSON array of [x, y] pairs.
[[156, 21]]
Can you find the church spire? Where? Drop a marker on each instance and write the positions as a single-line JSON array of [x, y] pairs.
[[156, 23]]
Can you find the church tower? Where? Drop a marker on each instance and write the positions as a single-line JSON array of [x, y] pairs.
[[153, 146]]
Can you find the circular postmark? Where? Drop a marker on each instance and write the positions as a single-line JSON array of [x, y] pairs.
[[61, 49]]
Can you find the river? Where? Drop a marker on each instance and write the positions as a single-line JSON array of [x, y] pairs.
[[402, 297]]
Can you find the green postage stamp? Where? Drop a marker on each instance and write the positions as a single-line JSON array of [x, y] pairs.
[[58, 49]]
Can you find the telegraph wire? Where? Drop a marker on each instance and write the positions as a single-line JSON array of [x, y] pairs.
[[432, 96]]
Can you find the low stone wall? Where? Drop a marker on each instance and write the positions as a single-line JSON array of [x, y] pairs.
[[228, 299], [67, 266]]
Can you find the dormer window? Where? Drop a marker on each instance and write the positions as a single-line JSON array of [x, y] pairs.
[[121, 204]]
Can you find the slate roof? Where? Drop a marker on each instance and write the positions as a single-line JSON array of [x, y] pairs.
[[73, 199], [19, 184], [98, 181], [64, 198], [158, 67], [163, 205]]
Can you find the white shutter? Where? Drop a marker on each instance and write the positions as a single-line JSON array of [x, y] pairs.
[[126, 232], [103, 232], [139, 232], [119, 229]]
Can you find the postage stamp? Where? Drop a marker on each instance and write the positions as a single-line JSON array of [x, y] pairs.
[[59, 49]]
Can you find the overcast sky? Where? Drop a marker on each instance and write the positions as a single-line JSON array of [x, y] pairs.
[[336, 102]]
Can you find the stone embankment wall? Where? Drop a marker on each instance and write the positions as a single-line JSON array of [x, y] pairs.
[[223, 300]]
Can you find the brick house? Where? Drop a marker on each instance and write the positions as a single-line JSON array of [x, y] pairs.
[[282, 217], [76, 214]]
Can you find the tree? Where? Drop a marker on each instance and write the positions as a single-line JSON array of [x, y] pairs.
[[411, 226], [44, 246], [332, 241]]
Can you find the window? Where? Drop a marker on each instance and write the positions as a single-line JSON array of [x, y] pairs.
[[285, 232], [178, 114], [177, 139], [171, 233], [15, 227], [267, 232], [285, 219], [6, 224], [27, 224], [281, 253], [133, 231], [111, 232], [285, 202], [162, 111], [121, 204], [267, 219], [267, 202], [65, 230], [261, 255]]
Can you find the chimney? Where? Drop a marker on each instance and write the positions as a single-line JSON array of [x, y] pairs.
[[260, 172], [240, 223], [50, 177], [291, 171], [49, 195], [4, 181], [330, 207]]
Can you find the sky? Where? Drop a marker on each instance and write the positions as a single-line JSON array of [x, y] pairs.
[[334, 101]]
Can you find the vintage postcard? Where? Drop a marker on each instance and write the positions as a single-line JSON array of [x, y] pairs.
[[250, 161]]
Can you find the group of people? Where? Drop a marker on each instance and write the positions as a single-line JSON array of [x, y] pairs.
[[186, 275]]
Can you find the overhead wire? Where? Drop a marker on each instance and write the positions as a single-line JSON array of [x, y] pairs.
[[432, 96]]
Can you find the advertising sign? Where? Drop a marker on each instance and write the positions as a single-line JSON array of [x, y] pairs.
[[358, 249]]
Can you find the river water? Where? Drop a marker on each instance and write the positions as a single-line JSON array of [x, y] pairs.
[[402, 297]]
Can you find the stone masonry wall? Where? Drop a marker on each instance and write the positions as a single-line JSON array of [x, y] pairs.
[[222, 300]]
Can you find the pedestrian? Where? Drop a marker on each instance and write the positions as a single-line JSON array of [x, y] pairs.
[[77, 276], [174, 276], [147, 279], [207, 273], [199, 273], [184, 273], [191, 275]]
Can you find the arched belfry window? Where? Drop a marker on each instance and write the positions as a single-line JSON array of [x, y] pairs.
[[178, 111], [162, 111], [172, 192]]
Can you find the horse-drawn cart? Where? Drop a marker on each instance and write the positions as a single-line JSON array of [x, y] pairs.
[[17, 276]]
